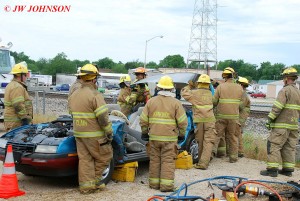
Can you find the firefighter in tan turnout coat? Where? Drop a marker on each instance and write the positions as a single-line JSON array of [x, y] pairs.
[[125, 98], [140, 92], [283, 120], [18, 106], [202, 101], [227, 99], [92, 130], [162, 120], [244, 114]]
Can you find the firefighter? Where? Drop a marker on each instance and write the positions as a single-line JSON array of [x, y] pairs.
[[125, 99], [140, 92], [203, 116], [227, 99], [162, 120], [283, 122], [92, 130], [244, 113], [18, 106]]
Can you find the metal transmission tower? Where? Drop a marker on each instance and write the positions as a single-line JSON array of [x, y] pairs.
[[203, 39]]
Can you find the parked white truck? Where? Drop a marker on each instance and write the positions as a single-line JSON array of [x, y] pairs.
[[6, 63]]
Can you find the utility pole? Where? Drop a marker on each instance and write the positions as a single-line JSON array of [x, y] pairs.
[[203, 38]]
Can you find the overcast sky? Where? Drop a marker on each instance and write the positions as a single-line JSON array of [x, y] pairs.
[[252, 30]]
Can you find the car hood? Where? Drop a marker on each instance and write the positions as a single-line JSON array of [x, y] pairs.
[[52, 133]]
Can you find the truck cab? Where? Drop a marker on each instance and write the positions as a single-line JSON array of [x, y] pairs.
[[6, 63]]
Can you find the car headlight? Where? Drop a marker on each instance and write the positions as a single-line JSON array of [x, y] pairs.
[[3, 143], [49, 149]]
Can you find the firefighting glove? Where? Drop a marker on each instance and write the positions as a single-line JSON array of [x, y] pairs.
[[268, 124], [25, 121], [145, 137]]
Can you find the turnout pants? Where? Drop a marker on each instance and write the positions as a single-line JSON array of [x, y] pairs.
[[205, 136], [162, 165], [281, 146], [226, 129], [94, 157]]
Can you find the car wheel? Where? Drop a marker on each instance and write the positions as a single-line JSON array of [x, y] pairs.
[[192, 147], [107, 173]]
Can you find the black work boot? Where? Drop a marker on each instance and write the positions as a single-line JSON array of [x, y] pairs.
[[285, 172], [269, 172]]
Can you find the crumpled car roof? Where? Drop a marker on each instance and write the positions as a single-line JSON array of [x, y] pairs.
[[183, 78]]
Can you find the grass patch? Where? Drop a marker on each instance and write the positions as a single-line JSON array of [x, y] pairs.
[[42, 118], [255, 147]]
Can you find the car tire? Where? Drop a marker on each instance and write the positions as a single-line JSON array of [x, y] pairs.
[[107, 173], [192, 147]]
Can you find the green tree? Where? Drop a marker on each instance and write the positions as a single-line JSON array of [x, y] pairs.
[[119, 68], [133, 64], [196, 65], [267, 71], [243, 69], [105, 63], [19, 57], [59, 64], [151, 64], [77, 63], [173, 61]]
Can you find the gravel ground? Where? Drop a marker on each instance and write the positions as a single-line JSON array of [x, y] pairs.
[[43, 188]]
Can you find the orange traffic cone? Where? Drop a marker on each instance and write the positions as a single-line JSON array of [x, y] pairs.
[[9, 183]]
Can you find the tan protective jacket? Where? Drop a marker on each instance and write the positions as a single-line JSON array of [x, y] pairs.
[[76, 85], [245, 108], [286, 109], [18, 104], [126, 100], [202, 101], [164, 119], [90, 112], [227, 98]]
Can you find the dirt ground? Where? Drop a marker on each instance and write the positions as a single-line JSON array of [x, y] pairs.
[[43, 188]]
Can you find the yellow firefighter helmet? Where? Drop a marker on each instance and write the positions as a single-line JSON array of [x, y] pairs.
[[227, 71], [165, 82], [126, 79], [88, 72], [204, 79], [243, 81], [290, 72], [19, 68]]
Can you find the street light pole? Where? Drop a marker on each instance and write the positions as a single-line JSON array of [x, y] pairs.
[[146, 48]]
